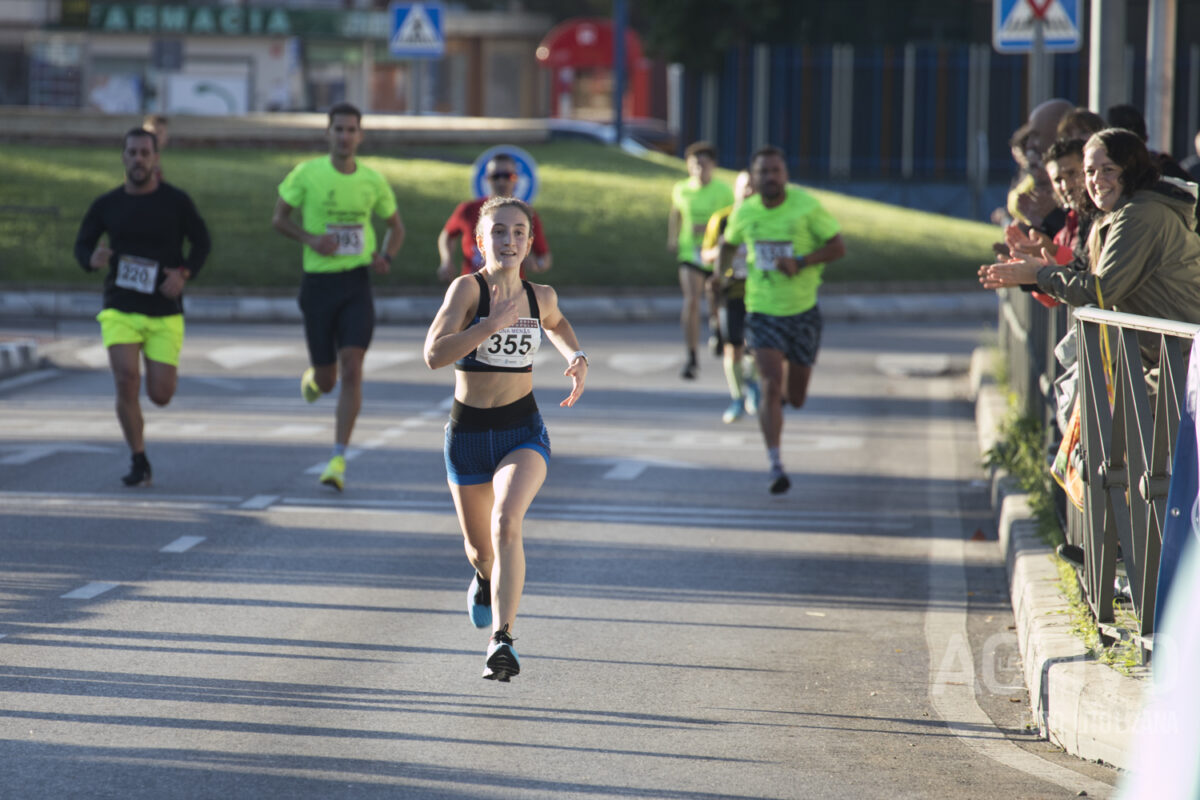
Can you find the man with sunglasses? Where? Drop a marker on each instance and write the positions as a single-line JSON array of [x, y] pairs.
[[501, 176]]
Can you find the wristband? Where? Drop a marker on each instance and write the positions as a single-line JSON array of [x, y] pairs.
[[580, 354]]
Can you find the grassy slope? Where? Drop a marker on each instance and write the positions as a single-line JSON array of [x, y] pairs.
[[605, 215]]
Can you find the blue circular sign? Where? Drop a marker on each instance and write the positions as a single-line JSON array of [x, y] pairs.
[[527, 178]]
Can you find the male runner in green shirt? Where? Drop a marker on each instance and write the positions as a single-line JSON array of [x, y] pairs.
[[693, 201], [789, 238], [336, 196]]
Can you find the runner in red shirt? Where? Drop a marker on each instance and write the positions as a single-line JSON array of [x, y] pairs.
[[501, 175]]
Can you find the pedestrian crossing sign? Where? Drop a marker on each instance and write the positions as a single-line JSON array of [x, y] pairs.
[[1014, 21], [416, 30]]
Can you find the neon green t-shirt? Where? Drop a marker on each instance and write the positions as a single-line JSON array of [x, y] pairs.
[[696, 204], [795, 227], [334, 202]]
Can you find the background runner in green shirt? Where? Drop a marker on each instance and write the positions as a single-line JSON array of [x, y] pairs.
[[789, 238], [336, 196], [693, 201]]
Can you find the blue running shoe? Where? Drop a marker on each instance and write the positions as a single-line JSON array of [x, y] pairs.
[[502, 661], [479, 602], [752, 396]]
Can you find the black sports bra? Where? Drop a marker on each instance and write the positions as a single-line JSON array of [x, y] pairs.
[[519, 343]]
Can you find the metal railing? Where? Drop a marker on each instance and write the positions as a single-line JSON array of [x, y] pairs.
[[1127, 447], [1128, 450]]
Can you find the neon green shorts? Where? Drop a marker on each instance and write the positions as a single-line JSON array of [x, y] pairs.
[[161, 338]]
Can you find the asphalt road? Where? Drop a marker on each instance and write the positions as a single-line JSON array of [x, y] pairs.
[[240, 631]]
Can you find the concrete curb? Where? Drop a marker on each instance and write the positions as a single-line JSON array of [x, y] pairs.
[[1081, 705], [17, 356], [595, 308]]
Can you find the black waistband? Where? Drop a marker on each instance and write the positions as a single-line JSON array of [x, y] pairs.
[[464, 416]]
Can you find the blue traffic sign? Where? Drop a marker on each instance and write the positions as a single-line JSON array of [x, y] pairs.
[[1014, 21], [416, 30], [527, 177]]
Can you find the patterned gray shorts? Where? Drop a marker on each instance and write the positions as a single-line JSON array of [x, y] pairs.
[[798, 337]]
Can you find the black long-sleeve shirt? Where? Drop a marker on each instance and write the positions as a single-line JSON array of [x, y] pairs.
[[148, 227]]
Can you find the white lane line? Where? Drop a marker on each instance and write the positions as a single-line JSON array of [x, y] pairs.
[[626, 471], [95, 356], [319, 467], [378, 360], [28, 453], [182, 544], [25, 379], [259, 502], [294, 431], [788, 520], [89, 590], [238, 356], [951, 662], [199, 501]]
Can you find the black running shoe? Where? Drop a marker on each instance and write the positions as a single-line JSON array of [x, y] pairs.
[[779, 481], [139, 473], [502, 661], [689, 370]]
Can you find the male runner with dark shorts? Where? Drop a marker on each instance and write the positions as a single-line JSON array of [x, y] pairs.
[[336, 196], [146, 221], [789, 239]]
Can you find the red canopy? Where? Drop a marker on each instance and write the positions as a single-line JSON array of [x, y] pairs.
[[584, 44]]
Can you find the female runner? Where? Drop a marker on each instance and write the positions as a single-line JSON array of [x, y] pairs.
[[497, 448]]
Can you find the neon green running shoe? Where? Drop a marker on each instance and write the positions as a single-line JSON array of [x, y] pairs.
[[308, 386], [335, 473]]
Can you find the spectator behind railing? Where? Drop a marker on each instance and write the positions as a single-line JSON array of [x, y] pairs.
[[1131, 119], [1080, 123], [1143, 252]]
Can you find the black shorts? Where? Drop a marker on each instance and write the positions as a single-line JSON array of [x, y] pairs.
[[732, 316], [798, 337], [478, 439], [694, 267], [339, 311]]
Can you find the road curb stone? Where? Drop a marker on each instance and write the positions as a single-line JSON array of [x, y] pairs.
[[1089, 709]]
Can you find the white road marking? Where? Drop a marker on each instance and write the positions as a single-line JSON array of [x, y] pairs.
[[295, 431], [95, 356], [784, 519], [90, 590], [182, 544], [642, 363], [182, 502], [259, 502], [952, 691], [627, 469], [319, 467], [27, 454], [238, 356], [378, 360]]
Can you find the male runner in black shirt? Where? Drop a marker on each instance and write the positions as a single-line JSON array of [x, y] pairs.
[[146, 221]]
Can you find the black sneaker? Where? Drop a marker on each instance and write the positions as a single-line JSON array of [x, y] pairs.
[[689, 371], [139, 473], [502, 661], [779, 481]]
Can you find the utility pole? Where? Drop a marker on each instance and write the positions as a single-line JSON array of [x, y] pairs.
[[620, 13], [1106, 56], [1160, 73]]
